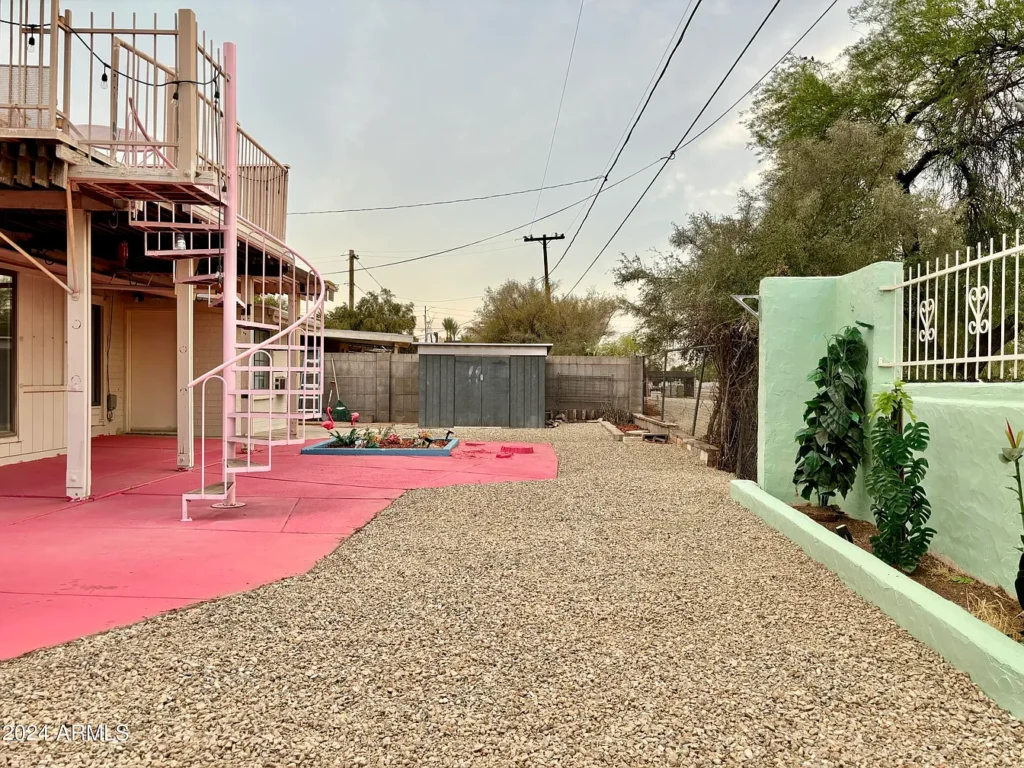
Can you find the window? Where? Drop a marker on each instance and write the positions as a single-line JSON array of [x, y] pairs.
[[261, 379], [7, 352], [97, 354]]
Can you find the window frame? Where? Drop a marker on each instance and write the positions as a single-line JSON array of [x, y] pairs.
[[261, 379], [96, 375], [14, 354]]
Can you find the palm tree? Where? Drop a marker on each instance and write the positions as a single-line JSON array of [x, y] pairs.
[[451, 328]]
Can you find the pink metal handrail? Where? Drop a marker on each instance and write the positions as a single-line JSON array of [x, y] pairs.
[[317, 305]]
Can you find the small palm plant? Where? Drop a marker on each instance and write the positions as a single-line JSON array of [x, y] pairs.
[[1012, 455]]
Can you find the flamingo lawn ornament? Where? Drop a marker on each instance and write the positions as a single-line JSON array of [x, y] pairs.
[[355, 417], [329, 424]]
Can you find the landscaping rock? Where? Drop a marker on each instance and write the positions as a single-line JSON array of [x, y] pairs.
[[627, 613]]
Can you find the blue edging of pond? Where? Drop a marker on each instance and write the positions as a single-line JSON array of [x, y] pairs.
[[321, 449]]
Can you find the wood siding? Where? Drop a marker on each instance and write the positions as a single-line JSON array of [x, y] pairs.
[[39, 408]]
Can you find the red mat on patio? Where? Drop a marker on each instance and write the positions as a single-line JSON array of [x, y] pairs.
[[74, 569]]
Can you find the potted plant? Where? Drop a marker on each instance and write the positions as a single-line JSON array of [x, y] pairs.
[[1012, 455]]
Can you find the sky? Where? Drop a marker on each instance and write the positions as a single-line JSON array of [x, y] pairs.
[[388, 102]]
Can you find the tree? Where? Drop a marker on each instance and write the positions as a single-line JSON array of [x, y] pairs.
[[451, 328], [625, 345], [828, 206], [945, 73], [519, 313], [374, 312]]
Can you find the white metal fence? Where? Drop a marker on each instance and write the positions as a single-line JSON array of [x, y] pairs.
[[961, 318]]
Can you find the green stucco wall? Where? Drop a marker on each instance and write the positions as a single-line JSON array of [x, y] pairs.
[[797, 315], [976, 518]]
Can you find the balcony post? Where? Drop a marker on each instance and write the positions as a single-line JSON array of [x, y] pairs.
[[186, 155]]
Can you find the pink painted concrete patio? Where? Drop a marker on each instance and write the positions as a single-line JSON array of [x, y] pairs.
[[73, 569]]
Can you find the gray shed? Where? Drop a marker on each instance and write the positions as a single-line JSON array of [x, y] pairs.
[[482, 385]]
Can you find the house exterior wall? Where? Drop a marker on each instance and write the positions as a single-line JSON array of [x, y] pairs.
[[39, 375], [41, 370]]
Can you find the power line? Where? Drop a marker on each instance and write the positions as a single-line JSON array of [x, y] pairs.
[[761, 79], [363, 254], [446, 202], [671, 155], [750, 90], [640, 101], [558, 114], [632, 128], [507, 231]]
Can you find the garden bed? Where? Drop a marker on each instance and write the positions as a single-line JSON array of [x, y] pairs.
[[990, 604], [407, 447]]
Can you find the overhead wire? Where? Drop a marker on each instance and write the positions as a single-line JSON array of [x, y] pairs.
[[639, 103], [447, 202], [629, 135], [558, 113], [499, 234], [671, 155]]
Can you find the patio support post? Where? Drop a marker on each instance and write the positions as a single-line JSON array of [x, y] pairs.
[[184, 312], [78, 318]]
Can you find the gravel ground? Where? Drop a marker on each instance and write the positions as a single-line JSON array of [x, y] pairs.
[[625, 614]]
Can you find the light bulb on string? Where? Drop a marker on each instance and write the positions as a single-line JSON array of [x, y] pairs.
[[104, 79]]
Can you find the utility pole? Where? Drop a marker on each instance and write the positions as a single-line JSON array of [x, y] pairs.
[[352, 259], [543, 240], [426, 328]]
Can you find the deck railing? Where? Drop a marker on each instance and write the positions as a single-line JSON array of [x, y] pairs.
[[129, 94], [961, 316], [262, 186]]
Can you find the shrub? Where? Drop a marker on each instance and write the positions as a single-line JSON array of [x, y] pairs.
[[832, 443], [899, 503]]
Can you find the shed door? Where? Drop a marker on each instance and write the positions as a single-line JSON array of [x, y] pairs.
[[468, 391], [495, 392], [152, 405]]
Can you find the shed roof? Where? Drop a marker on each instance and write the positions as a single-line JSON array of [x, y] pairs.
[[482, 350]]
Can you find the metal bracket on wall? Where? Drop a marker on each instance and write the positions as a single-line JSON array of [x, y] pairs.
[[742, 300]]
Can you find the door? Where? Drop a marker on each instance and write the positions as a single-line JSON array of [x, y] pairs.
[[152, 372], [495, 405], [468, 391]]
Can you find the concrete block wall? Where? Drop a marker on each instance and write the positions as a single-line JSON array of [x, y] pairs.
[[627, 374], [405, 388], [384, 387], [381, 386]]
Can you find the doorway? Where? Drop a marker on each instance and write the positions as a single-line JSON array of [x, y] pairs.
[[152, 372]]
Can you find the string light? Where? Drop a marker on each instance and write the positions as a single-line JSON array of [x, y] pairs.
[[32, 37], [104, 78]]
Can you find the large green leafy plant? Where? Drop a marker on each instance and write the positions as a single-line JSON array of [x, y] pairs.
[[832, 443], [899, 503]]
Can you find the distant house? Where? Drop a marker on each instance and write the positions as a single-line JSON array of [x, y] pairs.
[[336, 340]]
